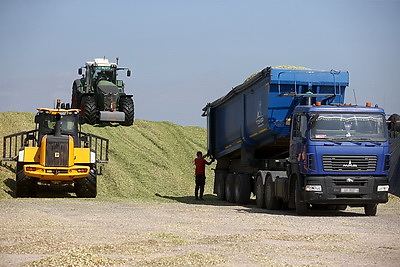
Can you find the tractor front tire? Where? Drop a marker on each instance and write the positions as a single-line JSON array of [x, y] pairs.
[[86, 187], [126, 106], [88, 110]]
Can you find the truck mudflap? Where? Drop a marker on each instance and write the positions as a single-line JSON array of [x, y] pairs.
[[112, 116], [348, 190]]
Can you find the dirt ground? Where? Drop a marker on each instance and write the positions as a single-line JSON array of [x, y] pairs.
[[81, 232]]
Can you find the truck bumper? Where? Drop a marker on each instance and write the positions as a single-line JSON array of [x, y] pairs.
[[66, 174], [112, 116], [350, 190]]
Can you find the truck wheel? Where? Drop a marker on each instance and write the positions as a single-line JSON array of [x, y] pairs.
[[88, 110], [271, 202], [260, 192], [242, 189], [229, 184], [25, 185], [220, 185], [86, 187], [370, 209], [301, 206], [126, 105]]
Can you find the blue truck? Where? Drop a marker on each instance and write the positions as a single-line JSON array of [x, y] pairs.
[[286, 136]]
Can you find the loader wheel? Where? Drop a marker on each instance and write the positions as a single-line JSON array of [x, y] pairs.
[[88, 110], [229, 185], [271, 202], [126, 105], [25, 185], [242, 189], [86, 187]]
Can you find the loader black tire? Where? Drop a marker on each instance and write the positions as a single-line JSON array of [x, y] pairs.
[[242, 189], [271, 201], [88, 110], [86, 187], [229, 188], [127, 106], [25, 185]]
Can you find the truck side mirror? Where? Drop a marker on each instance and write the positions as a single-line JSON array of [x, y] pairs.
[[36, 118], [128, 73], [80, 71]]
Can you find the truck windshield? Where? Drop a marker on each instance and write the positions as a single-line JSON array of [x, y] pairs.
[[348, 127]]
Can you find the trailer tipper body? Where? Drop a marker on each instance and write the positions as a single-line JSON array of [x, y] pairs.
[[286, 136]]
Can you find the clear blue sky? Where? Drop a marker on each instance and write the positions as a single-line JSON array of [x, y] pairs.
[[184, 53]]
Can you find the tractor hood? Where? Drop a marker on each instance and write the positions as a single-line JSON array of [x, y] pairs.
[[107, 87]]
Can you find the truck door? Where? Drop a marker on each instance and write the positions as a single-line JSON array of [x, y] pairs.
[[298, 141]]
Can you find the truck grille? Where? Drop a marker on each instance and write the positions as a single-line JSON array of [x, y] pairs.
[[57, 152], [357, 163]]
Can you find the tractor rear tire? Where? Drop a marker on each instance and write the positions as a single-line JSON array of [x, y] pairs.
[[25, 185], [88, 110], [76, 94], [126, 106], [86, 187]]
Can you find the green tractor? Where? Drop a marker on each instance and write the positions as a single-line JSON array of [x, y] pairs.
[[100, 96]]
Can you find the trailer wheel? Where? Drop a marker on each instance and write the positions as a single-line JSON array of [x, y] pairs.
[[271, 202], [301, 206], [88, 110], [229, 186], [25, 185], [220, 185], [370, 209], [260, 192], [87, 186], [242, 189]]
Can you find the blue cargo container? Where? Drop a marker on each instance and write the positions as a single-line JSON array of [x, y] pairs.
[[281, 135]]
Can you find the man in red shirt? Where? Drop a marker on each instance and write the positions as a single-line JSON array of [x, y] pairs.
[[200, 173]]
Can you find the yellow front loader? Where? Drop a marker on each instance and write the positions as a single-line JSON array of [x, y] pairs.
[[56, 152]]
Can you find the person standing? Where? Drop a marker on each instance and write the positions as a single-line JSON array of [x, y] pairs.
[[200, 173]]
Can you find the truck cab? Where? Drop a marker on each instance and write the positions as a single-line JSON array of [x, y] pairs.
[[341, 155]]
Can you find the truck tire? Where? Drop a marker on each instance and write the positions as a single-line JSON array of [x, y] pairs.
[[25, 185], [271, 202], [126, 106], [301, 206], [242, 189], [260, 192], [229, 188], [87, 186], [220, 185], [88, 110], [370, 209]]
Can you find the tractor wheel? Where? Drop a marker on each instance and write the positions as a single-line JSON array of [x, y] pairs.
[[229, 186], [242, 189], [126, 105], [260, 192], [88, 110], [76, 94], [271, 202], [370, 209], [25, 185], [86, 187]]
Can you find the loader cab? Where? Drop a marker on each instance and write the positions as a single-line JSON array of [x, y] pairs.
[[65, 122]]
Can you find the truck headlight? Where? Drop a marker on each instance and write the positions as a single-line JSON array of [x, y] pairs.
[[383, 188], [313, 188]]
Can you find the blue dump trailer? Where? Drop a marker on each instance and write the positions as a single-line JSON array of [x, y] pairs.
[[286, 136]]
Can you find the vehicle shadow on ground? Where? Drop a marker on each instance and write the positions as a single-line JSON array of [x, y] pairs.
[[44, 191], [212, 200]]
